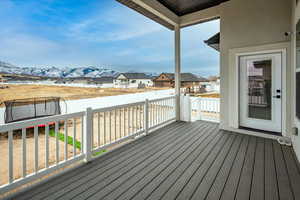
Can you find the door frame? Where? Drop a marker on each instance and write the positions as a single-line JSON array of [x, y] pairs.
[[276, 74], [233, 80]]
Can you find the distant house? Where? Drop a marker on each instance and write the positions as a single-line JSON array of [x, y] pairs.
[[132, 80], [187, 80], [214, 84], [104, 82]]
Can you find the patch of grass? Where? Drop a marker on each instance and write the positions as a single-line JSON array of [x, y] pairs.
[[61, 137], [99, 152]]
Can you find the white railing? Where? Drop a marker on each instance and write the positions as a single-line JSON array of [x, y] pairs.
[[55, 142], [207, 109], [115, 124]]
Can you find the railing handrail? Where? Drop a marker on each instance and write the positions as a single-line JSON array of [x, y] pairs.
[[35, 122], [105, 109], [161, 99]]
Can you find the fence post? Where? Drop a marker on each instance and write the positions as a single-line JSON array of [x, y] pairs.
[[87, 140], [146, 116]]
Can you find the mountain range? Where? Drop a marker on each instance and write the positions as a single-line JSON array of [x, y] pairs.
[[66, 72]]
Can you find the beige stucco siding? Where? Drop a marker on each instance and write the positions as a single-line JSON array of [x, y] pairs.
[[247, 24], [295, 18]]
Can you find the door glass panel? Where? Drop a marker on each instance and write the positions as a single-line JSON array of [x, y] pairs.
[[259, 74]]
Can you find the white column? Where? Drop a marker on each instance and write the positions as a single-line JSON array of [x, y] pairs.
[[177, 71]]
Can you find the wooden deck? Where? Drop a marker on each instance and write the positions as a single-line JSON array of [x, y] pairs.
[[183, 161]]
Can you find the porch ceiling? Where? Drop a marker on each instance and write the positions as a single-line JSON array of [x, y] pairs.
[[183, 7], [171, 13]]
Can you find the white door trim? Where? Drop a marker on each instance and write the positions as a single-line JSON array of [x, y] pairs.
[[233, 77]]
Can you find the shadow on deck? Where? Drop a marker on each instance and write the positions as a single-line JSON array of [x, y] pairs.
[[183, 161]]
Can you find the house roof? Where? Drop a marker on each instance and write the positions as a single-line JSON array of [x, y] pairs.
[[183, 7], [214, 42], [213, 78], [104, 79], [135, 75], [187, 77]]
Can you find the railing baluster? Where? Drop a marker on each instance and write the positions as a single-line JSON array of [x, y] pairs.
[[124, 122], [36, 149], [136, 120], [82, 132], [156, 113], [66, 139], [152, 114], [132, 120], [24, 159], [140, 119], [159, 112], [120, 127], [146, 116], [99, 128], [74, 137], [104, 121], [57, 141], [165, 110], [128, 120], [10, 157], [115, 124], [110, 129], [47, 145]]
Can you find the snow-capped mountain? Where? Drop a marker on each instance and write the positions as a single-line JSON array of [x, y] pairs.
[[58, 72]]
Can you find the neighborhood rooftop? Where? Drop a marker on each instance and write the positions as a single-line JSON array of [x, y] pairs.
[[135, 75], [189, 77]]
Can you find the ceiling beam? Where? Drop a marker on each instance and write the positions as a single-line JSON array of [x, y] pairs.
[[200, 16], [159, 10]]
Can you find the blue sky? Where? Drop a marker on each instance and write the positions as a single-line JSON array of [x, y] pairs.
[[69, 33]]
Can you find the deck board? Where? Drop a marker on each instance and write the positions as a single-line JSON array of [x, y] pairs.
[[284, 186], [258, 178], [183, 161], [271, 185]]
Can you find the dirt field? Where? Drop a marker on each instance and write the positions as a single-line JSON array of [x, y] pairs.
[[29, 91], [214, 95]]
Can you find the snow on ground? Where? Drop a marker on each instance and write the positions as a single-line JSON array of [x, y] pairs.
[[101, 102], [72, 106]]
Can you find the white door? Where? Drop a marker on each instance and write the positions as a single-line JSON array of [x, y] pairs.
[[260, 92]]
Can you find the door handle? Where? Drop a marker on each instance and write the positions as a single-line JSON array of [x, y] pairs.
[[277, 96]]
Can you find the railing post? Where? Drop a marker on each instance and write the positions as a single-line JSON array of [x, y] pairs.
[[87, 140], [146, 116], [199, 109]]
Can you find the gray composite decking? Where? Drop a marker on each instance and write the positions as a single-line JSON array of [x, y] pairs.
[[183, 161]]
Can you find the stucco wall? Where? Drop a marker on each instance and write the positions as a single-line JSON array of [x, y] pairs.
[[295, 18], [247, 24]]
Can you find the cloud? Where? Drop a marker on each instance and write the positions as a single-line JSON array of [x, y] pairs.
[[117, 24]]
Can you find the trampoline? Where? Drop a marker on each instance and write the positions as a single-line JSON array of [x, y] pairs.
[[31, 108]]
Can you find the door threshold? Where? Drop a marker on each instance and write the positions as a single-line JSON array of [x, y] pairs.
[[253, 133], [261, 131]]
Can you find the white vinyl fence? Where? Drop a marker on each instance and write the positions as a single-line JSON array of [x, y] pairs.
[[55, 142], [207, 109]]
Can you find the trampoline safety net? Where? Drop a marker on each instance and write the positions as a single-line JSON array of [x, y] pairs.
[[24, 109]]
